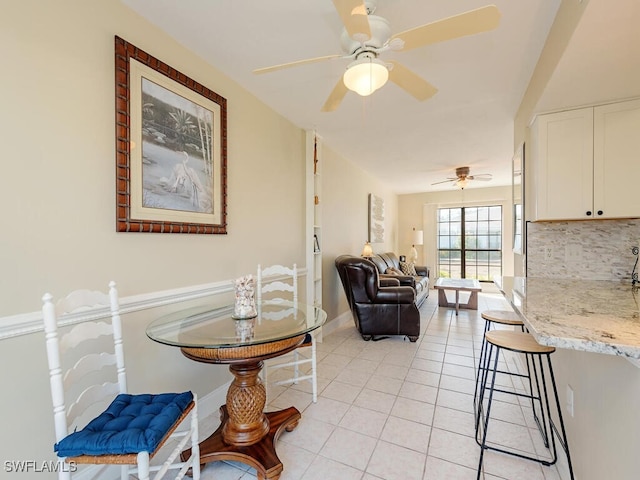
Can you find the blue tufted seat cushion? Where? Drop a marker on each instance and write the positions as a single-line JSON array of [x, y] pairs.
[[131, 424]]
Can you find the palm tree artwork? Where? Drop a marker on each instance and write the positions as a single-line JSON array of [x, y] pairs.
[[177, 147]]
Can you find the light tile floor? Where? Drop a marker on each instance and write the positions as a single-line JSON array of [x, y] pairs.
[[396, 410]]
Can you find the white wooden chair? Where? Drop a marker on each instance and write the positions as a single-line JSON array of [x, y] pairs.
[[275, 282], [134, 427]]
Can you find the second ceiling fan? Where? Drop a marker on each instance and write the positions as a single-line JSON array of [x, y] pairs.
[[366, 36], [462, 178]]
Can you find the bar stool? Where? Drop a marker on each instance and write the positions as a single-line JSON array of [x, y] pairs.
[[499, 317], [520, 342]]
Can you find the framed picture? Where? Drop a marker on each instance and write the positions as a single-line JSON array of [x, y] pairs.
[[376, 219], [518, 201], [171, 148]]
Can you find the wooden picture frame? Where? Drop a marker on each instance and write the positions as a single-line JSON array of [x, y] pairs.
[[171, 148]]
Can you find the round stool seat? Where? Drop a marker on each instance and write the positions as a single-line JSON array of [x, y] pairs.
[[517, 342], [504, 317]]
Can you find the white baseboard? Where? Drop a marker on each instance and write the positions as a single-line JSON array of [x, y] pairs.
[[337, 323]]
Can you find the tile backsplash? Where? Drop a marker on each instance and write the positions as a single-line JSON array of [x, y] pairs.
[[591, 249]]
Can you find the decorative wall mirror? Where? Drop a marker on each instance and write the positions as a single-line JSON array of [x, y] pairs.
[[518, 200]]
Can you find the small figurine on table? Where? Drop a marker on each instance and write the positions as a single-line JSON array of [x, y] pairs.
[[245, 306]]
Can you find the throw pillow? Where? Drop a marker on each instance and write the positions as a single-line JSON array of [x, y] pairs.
[[408, 268], [393, 271]]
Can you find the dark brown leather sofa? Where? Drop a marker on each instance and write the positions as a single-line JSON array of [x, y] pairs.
[[380, 306], [419, 282]]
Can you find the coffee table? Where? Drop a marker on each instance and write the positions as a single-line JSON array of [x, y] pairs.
[[458, 284]]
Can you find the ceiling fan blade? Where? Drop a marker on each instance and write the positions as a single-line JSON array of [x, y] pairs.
[[474, 21], [445, 181], [412, 83], [354, 17], [294, 64], [335, 97], [484, 177]]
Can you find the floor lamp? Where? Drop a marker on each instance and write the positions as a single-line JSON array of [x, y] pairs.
[[417, 239]]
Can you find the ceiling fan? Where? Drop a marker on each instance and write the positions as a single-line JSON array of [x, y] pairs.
[[366, 36], [462, 178]]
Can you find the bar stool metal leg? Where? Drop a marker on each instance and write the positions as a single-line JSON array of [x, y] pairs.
[[563, 438], [486, 421], [526, 344], [501, 317]]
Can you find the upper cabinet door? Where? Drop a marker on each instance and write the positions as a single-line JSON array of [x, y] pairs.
[[563, 162], [616, 159]]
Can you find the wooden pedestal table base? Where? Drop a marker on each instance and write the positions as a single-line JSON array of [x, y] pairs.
[[247, 434]]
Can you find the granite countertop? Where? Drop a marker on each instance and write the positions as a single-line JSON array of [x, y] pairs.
[[589, 315]]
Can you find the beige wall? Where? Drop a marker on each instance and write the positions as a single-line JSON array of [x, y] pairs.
[[58, 193], [58, 226], [58, 164], [419, 211], [345, 190]]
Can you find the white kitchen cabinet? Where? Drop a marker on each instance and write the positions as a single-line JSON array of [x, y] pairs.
[[616, 160], [587, 163], [562, 154]]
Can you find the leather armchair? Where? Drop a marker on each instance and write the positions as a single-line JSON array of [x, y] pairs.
[[378, 307]]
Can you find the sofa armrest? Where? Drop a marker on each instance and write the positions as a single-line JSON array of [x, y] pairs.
[[395, 295], [389, 281], [422, 271], [404, 280], [407, 280]]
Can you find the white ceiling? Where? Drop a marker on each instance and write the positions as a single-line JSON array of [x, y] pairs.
[[409, 144], [602, 61]]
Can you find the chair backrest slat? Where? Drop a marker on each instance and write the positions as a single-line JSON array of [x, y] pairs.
[[75, 375], [86, 365], [83, 332], [270, 279], [278, 286], [90, 396]]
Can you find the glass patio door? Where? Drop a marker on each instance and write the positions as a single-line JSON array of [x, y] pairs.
[[470, 242]]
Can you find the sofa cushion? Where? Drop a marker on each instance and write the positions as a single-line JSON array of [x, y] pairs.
[[408, 268], [418, 279], [393, 271]]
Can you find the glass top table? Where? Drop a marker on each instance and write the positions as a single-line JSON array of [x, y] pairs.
[[210, 334], [215, 328]]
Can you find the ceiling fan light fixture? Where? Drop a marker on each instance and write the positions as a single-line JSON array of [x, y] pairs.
[[462, 183], [366, 75]]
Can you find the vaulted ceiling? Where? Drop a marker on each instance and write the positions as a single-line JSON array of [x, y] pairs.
[[411, 144]]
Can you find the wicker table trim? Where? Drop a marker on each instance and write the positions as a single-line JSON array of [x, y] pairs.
[[243, 353]]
